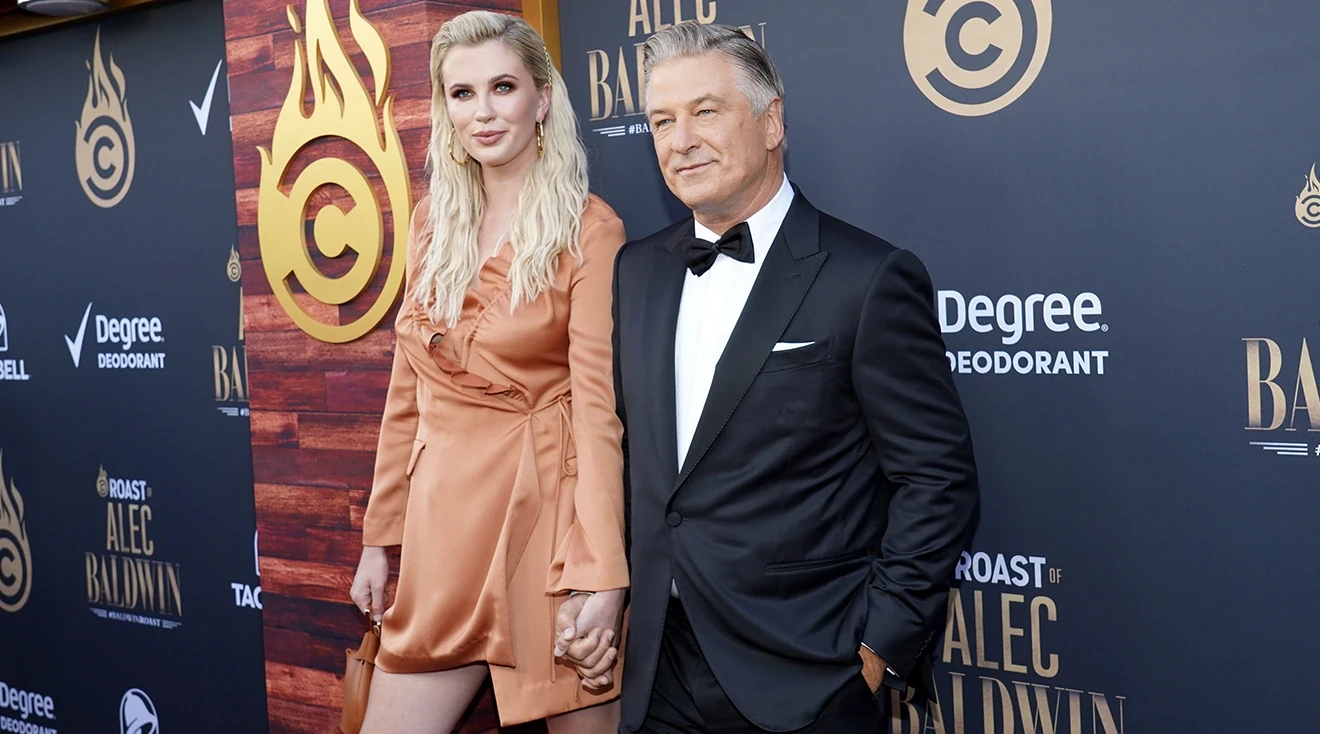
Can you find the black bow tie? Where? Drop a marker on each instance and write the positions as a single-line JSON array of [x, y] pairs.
[[736, 243]]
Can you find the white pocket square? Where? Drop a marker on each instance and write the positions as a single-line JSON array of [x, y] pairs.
[[786, 346]]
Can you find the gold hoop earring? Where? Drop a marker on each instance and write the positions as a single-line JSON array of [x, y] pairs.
[[540, 140], [449, 145]]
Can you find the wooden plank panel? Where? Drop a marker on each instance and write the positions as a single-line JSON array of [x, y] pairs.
[[412, 108], [415, 57], [247, 18], [253, 130], [298, 351], [298, 648], [334, 545], [351, 431], [246, 198], [276, 539], [357, 392], [314, 687], [458, 6], [312, 467], [256, 284], [283, 390], [286, 646], [248, 55], [400, 25], [356, 308], [411, 23], [319, 581], [357, 508], [265, 313], [331, 620], [307, 507], [274, 428], [265, 87], [369, 7], [249, 253], [259, 88]]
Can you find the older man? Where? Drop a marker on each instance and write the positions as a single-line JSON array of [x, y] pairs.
[[801, 478]]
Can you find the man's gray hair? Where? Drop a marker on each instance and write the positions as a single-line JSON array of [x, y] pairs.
[[757, 76]]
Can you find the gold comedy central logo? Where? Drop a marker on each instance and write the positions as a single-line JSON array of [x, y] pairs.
[[342, 110], [105, 152], [975, 57], [1307, 207], [15, 552]]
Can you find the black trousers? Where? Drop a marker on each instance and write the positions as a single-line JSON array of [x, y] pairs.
[[686, 698]]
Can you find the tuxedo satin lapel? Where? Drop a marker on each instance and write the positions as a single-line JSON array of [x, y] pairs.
[[664, 290], [789, 270]]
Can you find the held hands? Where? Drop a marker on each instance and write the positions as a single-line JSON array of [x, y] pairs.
[[373, 573], [587, 633]]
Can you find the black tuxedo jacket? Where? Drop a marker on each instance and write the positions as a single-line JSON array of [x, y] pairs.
[[828, 490]]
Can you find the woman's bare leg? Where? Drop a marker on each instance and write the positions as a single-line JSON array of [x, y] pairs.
[[421, 703]]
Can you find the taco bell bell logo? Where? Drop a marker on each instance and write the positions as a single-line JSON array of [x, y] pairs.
[[137, 714]]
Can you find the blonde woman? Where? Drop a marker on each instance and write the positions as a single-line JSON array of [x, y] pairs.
[[499, 469]]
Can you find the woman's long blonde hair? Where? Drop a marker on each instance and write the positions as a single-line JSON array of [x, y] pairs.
[[548, 219]]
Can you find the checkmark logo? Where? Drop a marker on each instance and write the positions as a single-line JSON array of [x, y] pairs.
[[75, 344], [203, 113]]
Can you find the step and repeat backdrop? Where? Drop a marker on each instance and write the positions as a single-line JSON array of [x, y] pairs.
[[129, 590], [1118, 203], [1119, 207]]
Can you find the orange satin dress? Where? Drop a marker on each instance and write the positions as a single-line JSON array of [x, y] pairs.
[[500, 471]]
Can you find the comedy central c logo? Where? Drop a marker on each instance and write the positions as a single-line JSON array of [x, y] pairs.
[[105, 150], [343, 110], [15, 550], [975, 57]]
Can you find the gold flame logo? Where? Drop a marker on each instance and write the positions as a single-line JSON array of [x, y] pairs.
[[233, 268], [15, 553], [105, 151], [343, 109], [102, 482], [1308, 202]]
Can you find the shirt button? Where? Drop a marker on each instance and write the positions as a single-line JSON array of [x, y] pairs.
[[674, 519]]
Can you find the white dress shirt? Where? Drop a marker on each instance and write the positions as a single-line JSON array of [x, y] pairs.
[[707, 312]]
